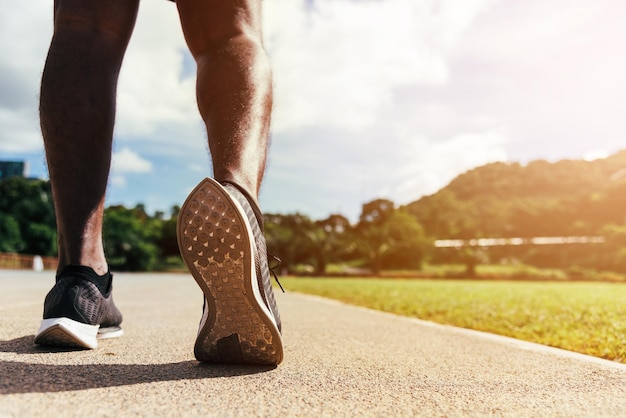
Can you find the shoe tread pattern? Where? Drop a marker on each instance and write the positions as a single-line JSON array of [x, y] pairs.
[[216, 248]]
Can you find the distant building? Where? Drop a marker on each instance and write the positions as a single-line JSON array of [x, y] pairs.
[[10, 169]]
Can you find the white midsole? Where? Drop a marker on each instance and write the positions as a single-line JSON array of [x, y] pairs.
[[86, 334]]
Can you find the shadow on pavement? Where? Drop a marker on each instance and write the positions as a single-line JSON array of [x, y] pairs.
[[25, 345], [22, 377]]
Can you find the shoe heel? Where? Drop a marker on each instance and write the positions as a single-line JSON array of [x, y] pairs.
[[65, 332]]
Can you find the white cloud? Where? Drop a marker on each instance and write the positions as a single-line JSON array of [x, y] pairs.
[[387, 97], [339, 64], [19, 130], [550, 72], [427, 169], [22, 55], [596, 154], [128, 161], [123, 163], [360, 88], [197, 168], [118, 181], [154, 91], [156, 100]]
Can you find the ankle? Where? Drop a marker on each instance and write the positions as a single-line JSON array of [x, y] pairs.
[[100, 268]]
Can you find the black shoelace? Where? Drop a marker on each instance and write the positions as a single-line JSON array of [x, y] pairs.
[[274, 263]]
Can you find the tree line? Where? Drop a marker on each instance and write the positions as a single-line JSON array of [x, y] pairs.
[[134, 240], [541, 198], [137, 241], [499, 200]]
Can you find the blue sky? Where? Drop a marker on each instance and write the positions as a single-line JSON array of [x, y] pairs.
[[373, 98]]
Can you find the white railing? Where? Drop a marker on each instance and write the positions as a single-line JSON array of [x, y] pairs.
[[493, 242], [10, 261]]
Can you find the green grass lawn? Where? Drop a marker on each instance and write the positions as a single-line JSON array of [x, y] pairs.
[[588, 318]]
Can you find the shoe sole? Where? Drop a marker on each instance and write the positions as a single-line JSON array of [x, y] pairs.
[[216, 244], [65, 332]]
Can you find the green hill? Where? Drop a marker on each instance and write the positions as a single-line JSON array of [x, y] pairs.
[[569, 197]]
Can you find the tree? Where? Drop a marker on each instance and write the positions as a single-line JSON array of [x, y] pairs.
[[27, 204], [372, 232], [613, 256], [286, 238], [130, 237], [11, 241], [390, 238], [330, 239], [168, 241], [408, 244], [444, 216], [564, 198], [376, 211]]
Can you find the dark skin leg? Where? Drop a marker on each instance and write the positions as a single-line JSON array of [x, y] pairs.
[[77, 108], [78, 104], [234, 85]]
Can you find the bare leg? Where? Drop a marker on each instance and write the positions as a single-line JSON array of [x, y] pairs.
[[77, 114], [234, 87], [234, 90]]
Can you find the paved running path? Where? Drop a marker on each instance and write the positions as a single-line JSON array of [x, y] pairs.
[[339, 361]]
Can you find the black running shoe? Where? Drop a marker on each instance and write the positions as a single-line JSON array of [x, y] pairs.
[[79, 310], [221, 240]]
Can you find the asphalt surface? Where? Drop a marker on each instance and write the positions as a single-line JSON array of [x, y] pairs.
[[340, 361]]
